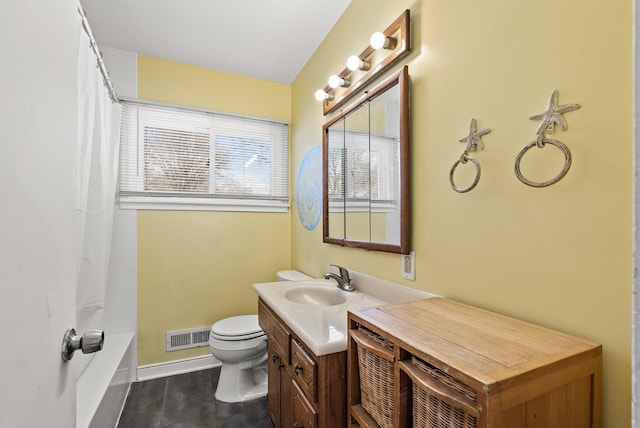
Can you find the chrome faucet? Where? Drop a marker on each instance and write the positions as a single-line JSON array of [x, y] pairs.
[[343, 280]]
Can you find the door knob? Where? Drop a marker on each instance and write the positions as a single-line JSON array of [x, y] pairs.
[[90, 342]]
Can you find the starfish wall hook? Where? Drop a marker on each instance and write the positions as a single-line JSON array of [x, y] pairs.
[[474, 139], [553, 115]]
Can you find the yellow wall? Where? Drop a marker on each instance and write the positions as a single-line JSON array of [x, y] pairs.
[[177, 83], [559, 256], [197, 267]]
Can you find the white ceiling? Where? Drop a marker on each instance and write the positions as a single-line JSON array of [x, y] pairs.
[[264, 39]]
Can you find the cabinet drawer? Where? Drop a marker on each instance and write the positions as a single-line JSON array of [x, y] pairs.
[[276, 332], [304, 415], [304, 368]]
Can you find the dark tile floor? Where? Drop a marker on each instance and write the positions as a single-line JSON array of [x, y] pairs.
[[187, 401]]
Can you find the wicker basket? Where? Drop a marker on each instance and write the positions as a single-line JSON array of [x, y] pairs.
[[376, 381], [430, 411]]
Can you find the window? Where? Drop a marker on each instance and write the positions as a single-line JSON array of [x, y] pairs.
[[174, 158]]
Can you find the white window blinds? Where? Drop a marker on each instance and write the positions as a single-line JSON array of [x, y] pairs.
[[169, 152]]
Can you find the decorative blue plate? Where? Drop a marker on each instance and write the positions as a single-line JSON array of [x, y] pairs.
[[309, 189]]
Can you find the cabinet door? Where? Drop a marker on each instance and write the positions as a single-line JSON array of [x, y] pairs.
[[279, 398], [304, 415], [273, 386], [286, 398]]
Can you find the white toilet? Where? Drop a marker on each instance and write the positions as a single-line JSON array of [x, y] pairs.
[[241, 346]]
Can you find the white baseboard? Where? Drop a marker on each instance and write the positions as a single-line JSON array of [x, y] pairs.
[[170, 368]]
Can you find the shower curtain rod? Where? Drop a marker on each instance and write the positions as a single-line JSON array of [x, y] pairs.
[[96, 51]]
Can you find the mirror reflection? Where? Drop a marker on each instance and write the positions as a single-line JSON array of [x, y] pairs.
[[365, 166]]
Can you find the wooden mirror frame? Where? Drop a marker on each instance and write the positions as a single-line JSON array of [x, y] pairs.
[[400, 78]]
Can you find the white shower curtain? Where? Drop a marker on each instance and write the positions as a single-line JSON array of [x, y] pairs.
[[96, 166]]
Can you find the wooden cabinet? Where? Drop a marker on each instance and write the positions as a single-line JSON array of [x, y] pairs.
[[439, 363], [305, 390]]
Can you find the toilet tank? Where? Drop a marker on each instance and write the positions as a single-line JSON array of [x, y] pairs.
[[292, 275]]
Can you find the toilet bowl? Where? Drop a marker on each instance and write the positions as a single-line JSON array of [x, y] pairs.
[[241, 346]]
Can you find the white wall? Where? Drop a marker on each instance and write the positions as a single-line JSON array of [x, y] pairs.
[[123, 70], [121, 302]]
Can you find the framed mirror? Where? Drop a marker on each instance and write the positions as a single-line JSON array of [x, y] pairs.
[[365, 164]]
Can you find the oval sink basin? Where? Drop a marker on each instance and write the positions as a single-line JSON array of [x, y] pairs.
[[316, 295]]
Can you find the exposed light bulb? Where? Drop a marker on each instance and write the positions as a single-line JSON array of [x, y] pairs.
[[322, 95], [379, 40], [356, 63], [335, 81], [353, 63]]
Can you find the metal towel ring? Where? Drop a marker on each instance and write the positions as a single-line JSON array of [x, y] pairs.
[[541, 142], [552, 116], [463, 160]]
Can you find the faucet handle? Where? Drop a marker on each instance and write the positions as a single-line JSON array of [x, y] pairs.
[[344, 273]]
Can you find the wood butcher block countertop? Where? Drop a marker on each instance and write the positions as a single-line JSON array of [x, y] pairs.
[[481, 346]]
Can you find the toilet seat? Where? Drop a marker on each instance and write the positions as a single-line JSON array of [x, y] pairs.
[[242, 327], [235, 338]]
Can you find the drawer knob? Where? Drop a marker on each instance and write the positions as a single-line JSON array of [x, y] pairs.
[[297, 368], [297, 425], [274, 357]]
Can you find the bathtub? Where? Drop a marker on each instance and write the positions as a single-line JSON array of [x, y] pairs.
[[102, 388]]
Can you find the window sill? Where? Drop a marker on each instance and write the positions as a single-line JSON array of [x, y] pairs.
[[201, 204]]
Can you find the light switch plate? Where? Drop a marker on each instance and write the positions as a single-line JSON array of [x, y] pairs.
[[409, 266]]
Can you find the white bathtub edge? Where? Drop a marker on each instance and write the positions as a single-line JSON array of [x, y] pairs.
[[92, 385]]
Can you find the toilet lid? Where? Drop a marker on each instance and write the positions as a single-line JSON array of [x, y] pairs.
[[243, 325]]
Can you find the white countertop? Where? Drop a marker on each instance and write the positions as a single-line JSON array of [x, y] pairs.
[[324, 328]]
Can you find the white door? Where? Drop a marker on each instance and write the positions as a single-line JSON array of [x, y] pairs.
[[38, 226]]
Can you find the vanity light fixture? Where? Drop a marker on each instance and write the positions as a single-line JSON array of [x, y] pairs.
[[354, 62], [337, 81], [323, 96], [379, 40], [385, 49]]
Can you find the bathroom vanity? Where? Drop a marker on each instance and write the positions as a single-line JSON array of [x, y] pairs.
[[306, 327], [305, 390]]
